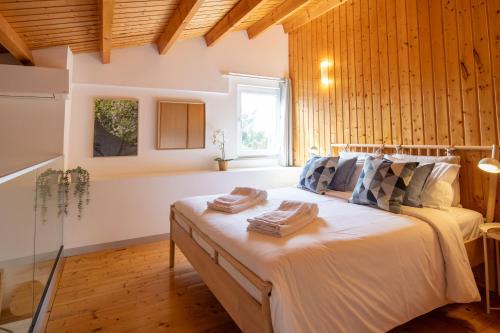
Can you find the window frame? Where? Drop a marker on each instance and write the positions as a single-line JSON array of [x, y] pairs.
[[269, 90]]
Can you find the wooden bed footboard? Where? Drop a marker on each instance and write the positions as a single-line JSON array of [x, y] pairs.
[[248, 313]]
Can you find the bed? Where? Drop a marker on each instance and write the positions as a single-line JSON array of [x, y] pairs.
[[356, 269], [468, 220]]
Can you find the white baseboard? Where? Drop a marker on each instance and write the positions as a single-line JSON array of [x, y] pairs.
[[115, 245]]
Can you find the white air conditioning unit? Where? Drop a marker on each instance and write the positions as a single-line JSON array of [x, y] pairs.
[[33, 82]]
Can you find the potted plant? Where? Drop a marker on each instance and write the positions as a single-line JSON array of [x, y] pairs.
[[218, 139]]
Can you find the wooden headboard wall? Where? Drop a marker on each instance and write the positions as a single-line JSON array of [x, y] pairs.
[[411, 72]]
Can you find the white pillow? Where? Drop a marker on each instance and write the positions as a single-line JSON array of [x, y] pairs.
[[424, 159], [360, 155], [432, 159], [438, 190]]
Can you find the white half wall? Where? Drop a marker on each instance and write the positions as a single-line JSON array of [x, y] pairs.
[[31, 131], [127, 208]]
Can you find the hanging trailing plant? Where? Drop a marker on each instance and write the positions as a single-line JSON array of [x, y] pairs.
[[81, 179], [44, 184], [63, 194], [78, 176]]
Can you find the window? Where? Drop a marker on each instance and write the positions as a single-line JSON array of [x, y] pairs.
[[258, 125]]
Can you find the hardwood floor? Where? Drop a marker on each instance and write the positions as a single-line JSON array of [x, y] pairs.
[[133, 290]]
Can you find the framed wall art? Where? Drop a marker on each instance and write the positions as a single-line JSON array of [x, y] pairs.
[[116, 125]]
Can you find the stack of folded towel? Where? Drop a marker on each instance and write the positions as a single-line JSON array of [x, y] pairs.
[[288, 218], [239, 199]]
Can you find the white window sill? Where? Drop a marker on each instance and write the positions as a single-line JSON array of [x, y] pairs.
[[232, 169], [257, 157]]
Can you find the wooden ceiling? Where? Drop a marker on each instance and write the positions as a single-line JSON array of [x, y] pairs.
[[101, 25]]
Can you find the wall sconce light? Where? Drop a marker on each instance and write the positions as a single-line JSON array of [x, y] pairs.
[[325, 65]]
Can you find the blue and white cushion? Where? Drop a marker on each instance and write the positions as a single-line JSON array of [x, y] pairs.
[[319, 174], [382, 184]]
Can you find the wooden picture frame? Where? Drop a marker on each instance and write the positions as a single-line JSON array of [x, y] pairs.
[[180, 125]]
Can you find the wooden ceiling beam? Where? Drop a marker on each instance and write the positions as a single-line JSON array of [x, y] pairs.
[[236, 15], [106, 10], [308, 14], [13, 43], [183, 14], [278, 14]]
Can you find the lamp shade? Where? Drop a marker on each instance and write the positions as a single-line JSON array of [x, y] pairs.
[[490, 165]]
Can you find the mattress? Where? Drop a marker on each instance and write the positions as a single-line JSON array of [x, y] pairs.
[[372, 269], [468, 221]]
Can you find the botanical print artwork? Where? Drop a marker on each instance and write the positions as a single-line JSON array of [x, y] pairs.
[[115, 127]]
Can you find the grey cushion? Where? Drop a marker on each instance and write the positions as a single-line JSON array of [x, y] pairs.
[[355, 175], [343, 175], [413, 196], [382, 184], [320, 174]]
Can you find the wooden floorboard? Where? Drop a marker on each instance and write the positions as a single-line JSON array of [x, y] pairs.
[[133, 290]]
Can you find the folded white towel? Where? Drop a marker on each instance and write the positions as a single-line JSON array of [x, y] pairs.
[[270, 223], [281, 230], [238, 200], [287, 213], [237, 196]]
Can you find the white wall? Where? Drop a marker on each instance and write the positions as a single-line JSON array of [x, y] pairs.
[[32, 129], [189, 71], [130, 196], [189, 64], [220, 113]]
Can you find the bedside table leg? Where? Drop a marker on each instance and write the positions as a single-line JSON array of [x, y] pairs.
[[486, 273]]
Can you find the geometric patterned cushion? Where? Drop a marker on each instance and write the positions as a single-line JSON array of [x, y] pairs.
[[320, 174], [383, 183], [302, 179]]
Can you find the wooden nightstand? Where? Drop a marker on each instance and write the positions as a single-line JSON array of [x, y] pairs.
[[495, 236]]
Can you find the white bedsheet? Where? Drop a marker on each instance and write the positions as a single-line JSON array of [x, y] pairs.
[[468, 220], [355, 269]]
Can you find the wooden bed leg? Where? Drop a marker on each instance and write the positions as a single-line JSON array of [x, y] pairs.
[[172, 254], [266, 309]]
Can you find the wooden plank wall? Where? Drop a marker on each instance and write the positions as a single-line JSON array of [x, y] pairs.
[[402, 72]]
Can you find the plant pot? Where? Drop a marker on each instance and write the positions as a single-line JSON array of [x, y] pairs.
[[222, 165]]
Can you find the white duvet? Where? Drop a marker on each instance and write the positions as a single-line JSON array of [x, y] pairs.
[[355, 269]]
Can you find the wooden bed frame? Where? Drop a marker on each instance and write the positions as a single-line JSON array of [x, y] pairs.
[[250, 314]]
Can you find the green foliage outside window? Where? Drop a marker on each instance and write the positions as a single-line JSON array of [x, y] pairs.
[[251, 138]]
